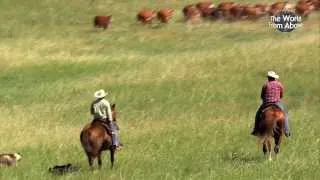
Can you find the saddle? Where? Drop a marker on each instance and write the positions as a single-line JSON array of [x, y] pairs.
[[104, 123], [270, 105]]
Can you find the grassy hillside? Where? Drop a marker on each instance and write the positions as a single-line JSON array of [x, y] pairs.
[[186, 94]]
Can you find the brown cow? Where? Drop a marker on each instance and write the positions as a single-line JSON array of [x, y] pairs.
[[186, 9], [146, 16], [263, 8], [304, 2], [191, 13], [304, 9], [277, 7], [252, 12], [237, 11], [224, 9], [102, 21], [165, 14], [206, 8], [315, 3]]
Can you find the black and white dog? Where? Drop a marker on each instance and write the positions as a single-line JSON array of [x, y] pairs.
[[62, 169]]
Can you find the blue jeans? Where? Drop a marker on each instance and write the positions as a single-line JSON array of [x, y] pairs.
[[282, 107], [286, 116], [114, 131]]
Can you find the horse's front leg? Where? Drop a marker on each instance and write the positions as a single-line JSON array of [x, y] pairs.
[[264, 148]]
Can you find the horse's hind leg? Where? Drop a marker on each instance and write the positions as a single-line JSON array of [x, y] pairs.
[[99, 160], [90, 160], [269, 150]]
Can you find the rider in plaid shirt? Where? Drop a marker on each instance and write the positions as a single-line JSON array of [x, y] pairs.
[[271, 93]]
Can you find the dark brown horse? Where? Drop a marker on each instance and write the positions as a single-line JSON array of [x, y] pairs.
[[95, 138], [271, 126]]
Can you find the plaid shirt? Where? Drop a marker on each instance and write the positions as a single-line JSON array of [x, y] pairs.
[[272, 92]]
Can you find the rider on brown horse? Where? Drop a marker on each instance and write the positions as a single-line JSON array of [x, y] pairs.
[[272, 92], [101, 111]]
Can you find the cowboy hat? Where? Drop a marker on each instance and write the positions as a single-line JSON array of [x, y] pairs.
[[100, 94], [273, 74]]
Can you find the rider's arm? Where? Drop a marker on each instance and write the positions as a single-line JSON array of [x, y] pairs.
[[281, 90], [91, 109], [109, 110]]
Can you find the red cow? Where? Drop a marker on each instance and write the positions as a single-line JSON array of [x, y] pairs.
[[102, 21], [206, 8], [252, 12], [146, 16], [277, 7], [304, 9], [191, 13], [237, 11], [263, 8], [165, 14], [186, 9], [315, 3], [225, 8]]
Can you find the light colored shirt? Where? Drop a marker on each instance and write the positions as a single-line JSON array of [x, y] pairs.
[[101, 109]]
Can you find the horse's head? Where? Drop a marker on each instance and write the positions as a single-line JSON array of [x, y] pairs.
[[114, 112]]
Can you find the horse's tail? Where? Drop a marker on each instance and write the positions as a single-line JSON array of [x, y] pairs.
[[269, 132], [264, 138], [112, 153]]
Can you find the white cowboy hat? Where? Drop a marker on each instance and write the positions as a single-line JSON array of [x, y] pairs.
[[100, 94], [273, 74]]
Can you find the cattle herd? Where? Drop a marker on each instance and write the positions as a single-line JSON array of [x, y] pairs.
[[225, 10]]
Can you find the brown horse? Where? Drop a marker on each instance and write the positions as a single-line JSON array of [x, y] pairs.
[[95, 138], [271, 125]]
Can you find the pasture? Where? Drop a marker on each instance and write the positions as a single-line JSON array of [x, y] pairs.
[[186, 94]]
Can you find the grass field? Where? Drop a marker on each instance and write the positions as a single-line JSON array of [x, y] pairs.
[[186, 94]]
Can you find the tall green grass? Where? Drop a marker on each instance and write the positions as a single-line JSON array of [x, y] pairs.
[[186, 94]]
